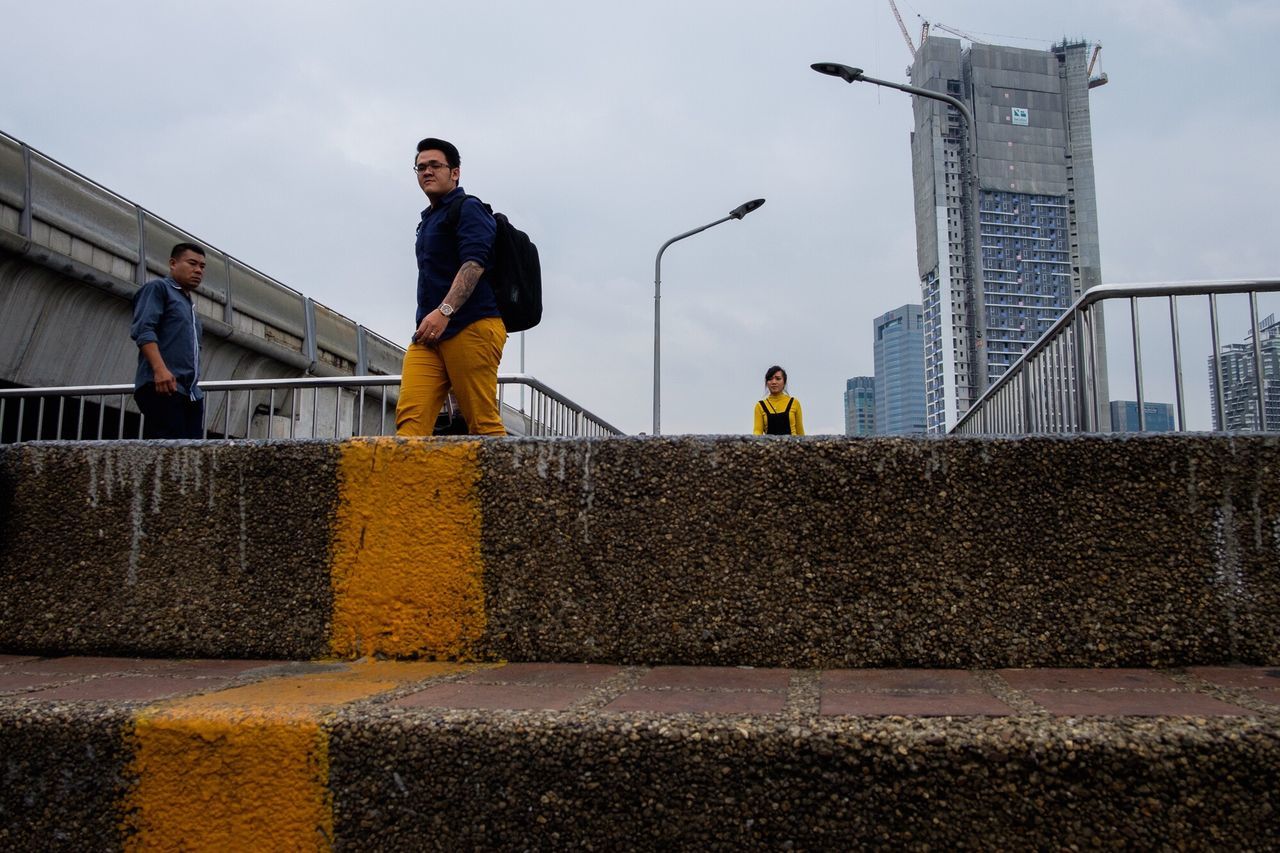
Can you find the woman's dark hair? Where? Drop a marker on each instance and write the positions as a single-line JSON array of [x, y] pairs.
[[773, 370]]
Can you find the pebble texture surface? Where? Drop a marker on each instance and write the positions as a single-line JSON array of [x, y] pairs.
[[173, 548], [1084, 551], [812, 552], [375, 755]]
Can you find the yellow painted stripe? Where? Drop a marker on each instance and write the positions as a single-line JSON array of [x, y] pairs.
[[247, 768], [407, 572]]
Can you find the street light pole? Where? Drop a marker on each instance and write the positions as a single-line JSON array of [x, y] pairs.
[[737, 213], [855, 75]]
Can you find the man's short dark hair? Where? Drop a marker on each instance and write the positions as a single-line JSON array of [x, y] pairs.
[[179, 248], [450, 151]]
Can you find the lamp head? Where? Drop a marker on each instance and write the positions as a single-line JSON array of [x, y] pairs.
[[743, 209], [835, 69]]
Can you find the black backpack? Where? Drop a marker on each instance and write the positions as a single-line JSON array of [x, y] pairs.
[[513, 271]]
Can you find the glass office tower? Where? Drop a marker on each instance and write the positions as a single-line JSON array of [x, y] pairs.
[[899, 359]]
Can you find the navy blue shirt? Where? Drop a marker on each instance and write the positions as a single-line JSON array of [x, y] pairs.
[[165, 316], [441, 253]]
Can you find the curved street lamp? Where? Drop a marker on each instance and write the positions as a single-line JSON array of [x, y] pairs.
[[970, 210], [737, 213]]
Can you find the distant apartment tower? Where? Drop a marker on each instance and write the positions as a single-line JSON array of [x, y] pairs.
[[1240, 399], [860, 406], [1035, 236], [899, 359]]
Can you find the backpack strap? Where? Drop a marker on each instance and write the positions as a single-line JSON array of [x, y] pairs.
[[454, 212]]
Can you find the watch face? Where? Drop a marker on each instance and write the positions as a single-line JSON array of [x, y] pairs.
[[446, 309]]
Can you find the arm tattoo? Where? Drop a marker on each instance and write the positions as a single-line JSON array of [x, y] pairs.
[[464, 283]]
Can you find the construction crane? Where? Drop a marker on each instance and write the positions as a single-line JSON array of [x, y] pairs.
[[905, 35], [1101, 79], [955, 32]]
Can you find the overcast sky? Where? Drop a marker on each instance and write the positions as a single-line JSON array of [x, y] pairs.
[[283, 132]]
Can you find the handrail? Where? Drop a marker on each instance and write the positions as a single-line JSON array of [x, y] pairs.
[[1071, 366], [550, 412]]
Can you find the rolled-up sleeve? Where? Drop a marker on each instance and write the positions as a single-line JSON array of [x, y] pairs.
[[148, 308], [476, 227]]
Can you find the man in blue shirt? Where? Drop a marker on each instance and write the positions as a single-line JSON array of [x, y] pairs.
[[167, 331], [458, 342]]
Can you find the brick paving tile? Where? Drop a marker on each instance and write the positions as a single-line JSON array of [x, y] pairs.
[[214, 668], [557, 674], [934, 680], [1132, 703], [5, 660], [494, 697], [17, 682], [699, 702], [717, 678], [125, 688], [92, 666], [912, 704], [1087, 679], [1245, 677]]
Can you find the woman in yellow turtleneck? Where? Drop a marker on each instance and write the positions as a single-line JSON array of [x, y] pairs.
[[779, 413]]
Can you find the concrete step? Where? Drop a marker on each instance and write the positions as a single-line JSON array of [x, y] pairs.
[[231, 754], [818, 552]]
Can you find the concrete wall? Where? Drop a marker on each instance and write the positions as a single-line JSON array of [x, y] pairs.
[[1100, 551]]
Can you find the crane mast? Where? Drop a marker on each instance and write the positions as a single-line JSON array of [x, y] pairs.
[[906, 36]]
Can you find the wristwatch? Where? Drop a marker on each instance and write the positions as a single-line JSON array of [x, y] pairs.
[[446, 309]]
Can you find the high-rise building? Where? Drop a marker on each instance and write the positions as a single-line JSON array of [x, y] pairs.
[[860, 406], [899, 358], [993, 282], [1240, 399], [1156, 417]]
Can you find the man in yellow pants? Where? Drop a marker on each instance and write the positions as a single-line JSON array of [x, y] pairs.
[[459, 338]]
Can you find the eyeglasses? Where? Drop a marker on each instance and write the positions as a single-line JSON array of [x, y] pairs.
[[433, 165]]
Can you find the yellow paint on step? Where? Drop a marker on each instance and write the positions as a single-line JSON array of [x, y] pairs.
[[247, 768], [407, 572]]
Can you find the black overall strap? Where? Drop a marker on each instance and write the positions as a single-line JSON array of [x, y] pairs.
[[777, 423]]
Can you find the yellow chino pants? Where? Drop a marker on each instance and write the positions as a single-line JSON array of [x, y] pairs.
[[467, 364]]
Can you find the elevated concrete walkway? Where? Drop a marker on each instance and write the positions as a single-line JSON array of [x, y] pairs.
[[200, 754]]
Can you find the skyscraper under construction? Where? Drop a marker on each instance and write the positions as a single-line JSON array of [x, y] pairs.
[[1001, 253]]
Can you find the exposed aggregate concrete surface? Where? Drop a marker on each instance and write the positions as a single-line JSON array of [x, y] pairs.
[[447, 781], [63, 771], [381, 764], [809, 552], [1082, 551], [214, 549]]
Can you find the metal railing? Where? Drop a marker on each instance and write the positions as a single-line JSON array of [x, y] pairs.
[[1060, 384], [308, 407]]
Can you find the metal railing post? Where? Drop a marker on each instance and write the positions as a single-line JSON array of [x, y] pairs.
[[1218, 395], [1256, 334], [1137, 364], [1179, 398]]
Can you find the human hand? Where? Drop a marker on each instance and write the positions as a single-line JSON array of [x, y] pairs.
[[431, 328], [166, 383]]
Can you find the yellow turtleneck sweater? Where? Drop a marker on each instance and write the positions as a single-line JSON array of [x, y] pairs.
[[777, 403]]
